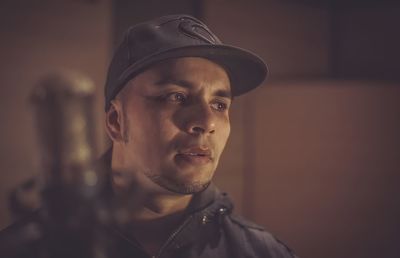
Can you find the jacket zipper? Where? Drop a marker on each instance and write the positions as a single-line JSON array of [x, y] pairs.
[[172, 236]]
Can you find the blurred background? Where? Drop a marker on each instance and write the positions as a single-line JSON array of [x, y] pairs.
[[314, 154]]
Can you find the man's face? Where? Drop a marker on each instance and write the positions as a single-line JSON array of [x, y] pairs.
[[175, 123]]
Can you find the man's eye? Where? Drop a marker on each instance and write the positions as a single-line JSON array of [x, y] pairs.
[[219, 106], [177, 97]]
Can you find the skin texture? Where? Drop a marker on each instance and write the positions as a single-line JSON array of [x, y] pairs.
[[169, 126]]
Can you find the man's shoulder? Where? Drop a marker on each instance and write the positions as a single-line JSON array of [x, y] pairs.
[[245, 223], [257, 239]]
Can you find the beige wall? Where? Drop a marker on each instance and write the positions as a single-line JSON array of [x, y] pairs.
[[38, 37], [326, 166]]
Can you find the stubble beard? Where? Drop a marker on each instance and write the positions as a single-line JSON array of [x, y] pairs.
[[176, 187]]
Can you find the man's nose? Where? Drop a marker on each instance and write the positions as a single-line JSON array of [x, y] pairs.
[[201, 120]]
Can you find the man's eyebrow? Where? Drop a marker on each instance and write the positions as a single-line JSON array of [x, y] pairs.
[[223, 94], [185, 84]]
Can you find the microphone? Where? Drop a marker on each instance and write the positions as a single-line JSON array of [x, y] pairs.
[[64, 109], [65, 121]]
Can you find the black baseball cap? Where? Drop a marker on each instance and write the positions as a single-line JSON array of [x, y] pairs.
[[175, 36]]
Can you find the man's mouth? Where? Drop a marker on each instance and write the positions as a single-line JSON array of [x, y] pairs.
[[195, 155]]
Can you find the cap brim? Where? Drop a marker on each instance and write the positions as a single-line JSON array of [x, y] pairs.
[[245, 69]]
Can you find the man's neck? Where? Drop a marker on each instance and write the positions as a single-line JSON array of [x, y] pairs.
[[152, 217], [147, 203], [156, 206]]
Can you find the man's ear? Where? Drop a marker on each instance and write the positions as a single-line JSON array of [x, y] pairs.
[[114, 122]]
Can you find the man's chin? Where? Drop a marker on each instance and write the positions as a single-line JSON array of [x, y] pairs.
[[187, 189], [174, 186]]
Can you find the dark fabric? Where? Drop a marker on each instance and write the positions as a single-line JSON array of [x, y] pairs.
[[209, 230]]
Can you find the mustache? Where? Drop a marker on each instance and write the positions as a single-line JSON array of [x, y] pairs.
[[200, 145]]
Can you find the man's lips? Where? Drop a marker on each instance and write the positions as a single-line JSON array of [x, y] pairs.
[[195, 155], [196, 151]]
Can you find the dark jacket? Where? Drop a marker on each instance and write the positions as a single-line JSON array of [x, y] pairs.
[[210, 230]]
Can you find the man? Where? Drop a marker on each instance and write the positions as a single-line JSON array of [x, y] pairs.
[[167, 98], [169, 89]]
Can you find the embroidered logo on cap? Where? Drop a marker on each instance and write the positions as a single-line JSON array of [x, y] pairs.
[[194, 29]]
